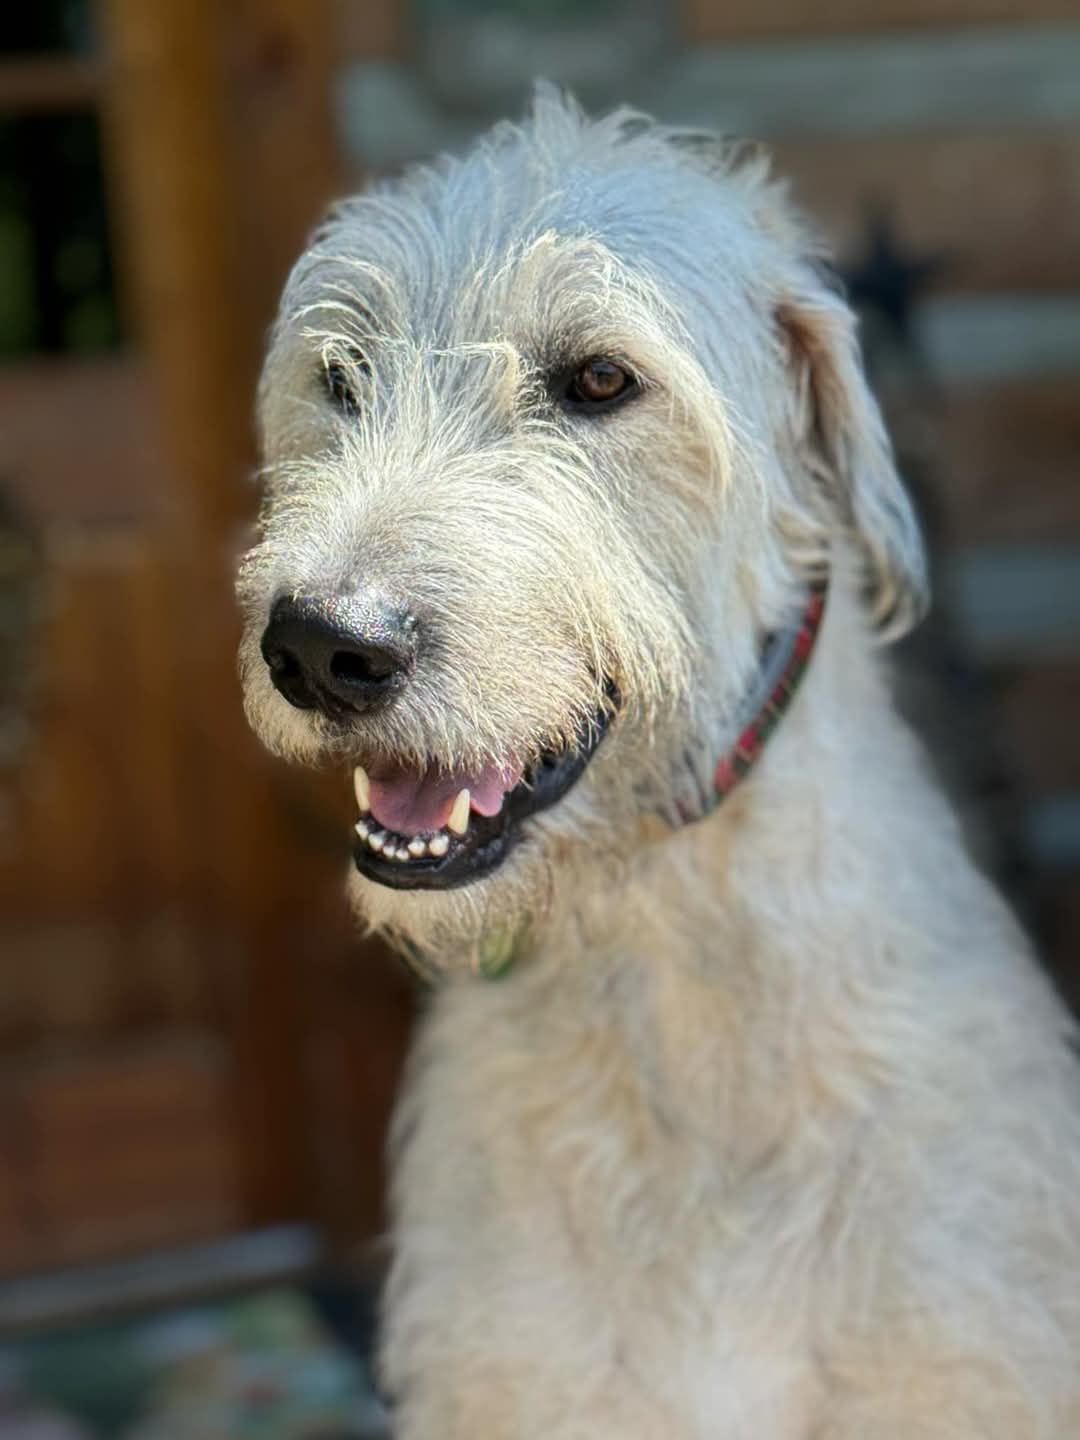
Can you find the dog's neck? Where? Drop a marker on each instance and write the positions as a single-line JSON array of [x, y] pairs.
[[775, 938], [726, 980], [785, 657]]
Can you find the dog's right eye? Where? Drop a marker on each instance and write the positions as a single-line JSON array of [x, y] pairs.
[[599, 384], [339, 378]]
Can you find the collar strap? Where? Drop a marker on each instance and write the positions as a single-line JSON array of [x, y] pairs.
[[784, 662], [786, 658]]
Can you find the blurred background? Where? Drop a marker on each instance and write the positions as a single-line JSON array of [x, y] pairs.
[[196, 1054]]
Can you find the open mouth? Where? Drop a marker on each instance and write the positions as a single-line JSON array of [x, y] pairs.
[[435, 831]]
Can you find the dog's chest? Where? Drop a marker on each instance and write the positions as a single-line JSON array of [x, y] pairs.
[[749, 1391], [701, 1323], [568, 1236]]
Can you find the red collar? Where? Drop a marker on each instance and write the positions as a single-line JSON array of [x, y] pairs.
[[787, 656]]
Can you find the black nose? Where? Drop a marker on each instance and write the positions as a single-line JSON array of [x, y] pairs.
[[338, 653]]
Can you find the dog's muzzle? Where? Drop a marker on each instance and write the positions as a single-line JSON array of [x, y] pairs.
[[347, 657], [437, 831]]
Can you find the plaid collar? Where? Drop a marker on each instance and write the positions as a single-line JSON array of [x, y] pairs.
[[785, 659]]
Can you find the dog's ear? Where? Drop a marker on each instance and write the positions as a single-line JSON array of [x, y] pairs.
[[839, 431], [837, 427]]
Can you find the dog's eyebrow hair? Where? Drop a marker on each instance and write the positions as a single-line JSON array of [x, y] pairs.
[[561, 352], [357, 322]]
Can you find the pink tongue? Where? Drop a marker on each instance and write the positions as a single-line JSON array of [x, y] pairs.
[[411, 802]]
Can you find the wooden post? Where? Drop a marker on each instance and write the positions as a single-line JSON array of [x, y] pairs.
[[286, 165], [197, 316], [223, 158], [166, 118]]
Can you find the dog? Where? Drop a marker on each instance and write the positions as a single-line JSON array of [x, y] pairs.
[[739, 1108]]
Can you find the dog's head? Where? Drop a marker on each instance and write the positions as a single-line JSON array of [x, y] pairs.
[[553, 435]]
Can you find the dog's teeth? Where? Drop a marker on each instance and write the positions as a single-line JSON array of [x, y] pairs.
[[459, 815], [439, 844], [397, 853], [377, 839], [362, 786], [363, 829], [417, 847]]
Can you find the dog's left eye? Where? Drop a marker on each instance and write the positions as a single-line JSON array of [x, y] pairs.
[[340, 377], [599, 383]]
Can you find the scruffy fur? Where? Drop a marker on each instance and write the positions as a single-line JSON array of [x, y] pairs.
[[772, 1131]]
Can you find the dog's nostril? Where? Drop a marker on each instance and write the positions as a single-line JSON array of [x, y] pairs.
[[362, 669], [284, 663]]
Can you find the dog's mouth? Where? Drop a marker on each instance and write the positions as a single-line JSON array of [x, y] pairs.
[[435, 829]]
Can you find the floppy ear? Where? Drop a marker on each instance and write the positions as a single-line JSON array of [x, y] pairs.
[[840, 433]]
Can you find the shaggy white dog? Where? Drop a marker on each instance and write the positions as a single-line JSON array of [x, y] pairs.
[[770, 1128]]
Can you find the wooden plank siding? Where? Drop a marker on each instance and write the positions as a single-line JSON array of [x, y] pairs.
[[79, 441], [1010, 457], [907, 82], [101, 788], [1038, 705], [125, 1149], [1000, 208], [705, 21], [98, 812], [370, 29]]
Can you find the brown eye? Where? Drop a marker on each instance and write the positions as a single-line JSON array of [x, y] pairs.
[[599, 383]]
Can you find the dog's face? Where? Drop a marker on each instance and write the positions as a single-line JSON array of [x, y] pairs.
[[551, 437]]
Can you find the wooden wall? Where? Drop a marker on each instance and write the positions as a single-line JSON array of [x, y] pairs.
[[173, 1057]]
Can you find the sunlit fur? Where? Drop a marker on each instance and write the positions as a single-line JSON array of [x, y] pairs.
[[772, 1132]]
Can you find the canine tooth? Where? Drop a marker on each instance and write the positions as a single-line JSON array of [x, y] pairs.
[[362, 786], [377, 839], [417, 847], [459, 815], [439, 844], [362, 828]]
